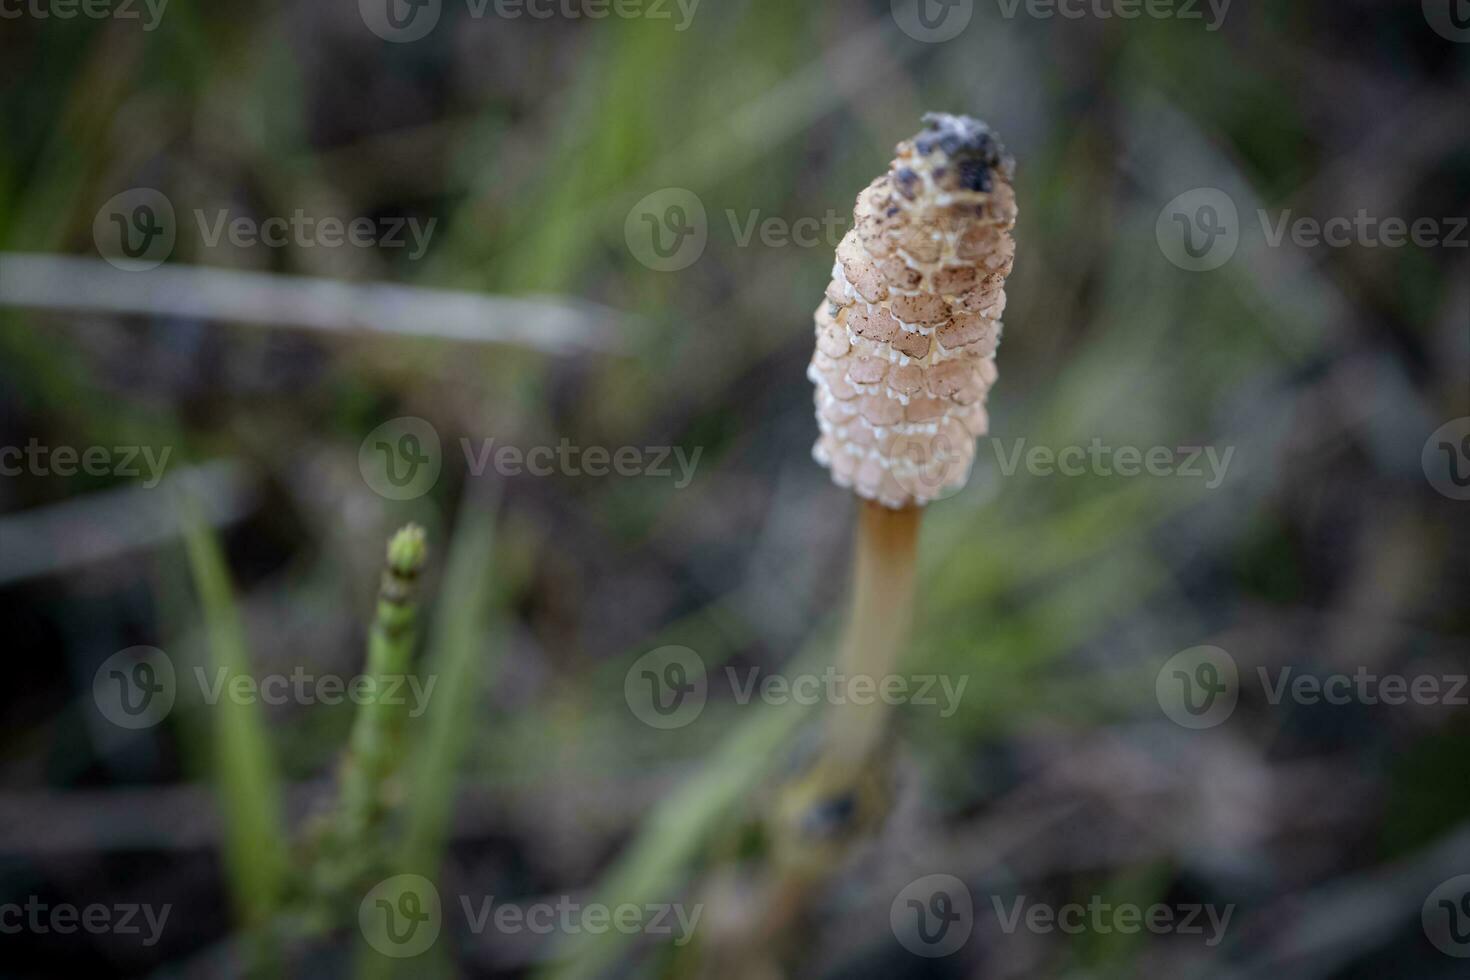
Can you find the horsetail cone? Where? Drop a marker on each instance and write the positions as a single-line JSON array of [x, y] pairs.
[[907, 333]]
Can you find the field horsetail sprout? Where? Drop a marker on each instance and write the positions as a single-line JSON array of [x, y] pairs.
[[348, 843], [905, 354], [907, 333], [377, 733]]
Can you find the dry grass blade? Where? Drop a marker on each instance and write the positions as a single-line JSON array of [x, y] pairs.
[[551, 324], [101, 526]]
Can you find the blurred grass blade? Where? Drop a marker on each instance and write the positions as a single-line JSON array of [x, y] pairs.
[[249, 784], [456, 653], [657, 865]]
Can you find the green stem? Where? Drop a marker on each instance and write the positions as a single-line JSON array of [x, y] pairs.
[[377, 732]]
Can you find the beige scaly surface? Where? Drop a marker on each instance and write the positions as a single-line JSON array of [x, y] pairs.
[[906, 336]]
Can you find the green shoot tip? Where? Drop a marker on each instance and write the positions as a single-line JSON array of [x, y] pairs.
[[408, 550]]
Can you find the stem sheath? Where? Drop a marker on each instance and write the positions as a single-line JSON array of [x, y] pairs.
[[878, 625]]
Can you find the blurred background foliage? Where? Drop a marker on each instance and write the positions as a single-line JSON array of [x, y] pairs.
[[1324, 549]]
